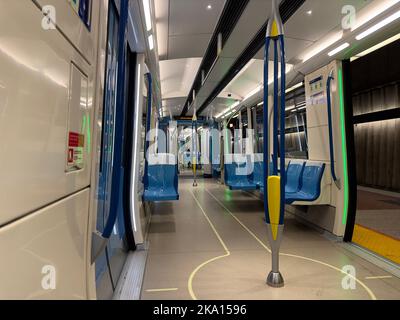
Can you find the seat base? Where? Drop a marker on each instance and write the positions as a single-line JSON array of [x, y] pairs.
[[157, 196], [300, 196], [240, 186]]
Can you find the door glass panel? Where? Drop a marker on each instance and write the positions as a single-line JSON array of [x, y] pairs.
[[108, 266]]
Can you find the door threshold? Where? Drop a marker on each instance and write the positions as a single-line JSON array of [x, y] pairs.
[[373, 258], [129, 286]]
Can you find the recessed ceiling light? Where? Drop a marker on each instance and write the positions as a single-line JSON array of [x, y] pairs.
[[209, 7], [309, 12]]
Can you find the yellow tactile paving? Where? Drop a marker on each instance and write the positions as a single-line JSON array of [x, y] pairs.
[[379, 243]]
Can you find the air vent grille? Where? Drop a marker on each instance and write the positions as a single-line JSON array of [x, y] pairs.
[[231, 13], [287, 9]]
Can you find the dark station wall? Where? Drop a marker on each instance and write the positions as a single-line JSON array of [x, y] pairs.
[[376, 108]]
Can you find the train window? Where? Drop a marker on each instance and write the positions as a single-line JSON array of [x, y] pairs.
[[83, 9], [296, 125], [259, 129], [296, 136], [85, 12], [296, 144]]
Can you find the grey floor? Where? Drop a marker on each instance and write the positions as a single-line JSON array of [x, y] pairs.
[[379, 211], [212, 245]]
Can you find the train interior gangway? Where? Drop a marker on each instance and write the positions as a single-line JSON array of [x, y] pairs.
[[195, 149]]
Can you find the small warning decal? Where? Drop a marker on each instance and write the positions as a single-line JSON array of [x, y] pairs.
[[76, 144]]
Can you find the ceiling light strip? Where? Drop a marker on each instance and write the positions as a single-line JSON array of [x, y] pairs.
[[379, 26], [339, 49]]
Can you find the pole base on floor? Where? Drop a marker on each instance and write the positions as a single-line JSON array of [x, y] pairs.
[[275, 280]]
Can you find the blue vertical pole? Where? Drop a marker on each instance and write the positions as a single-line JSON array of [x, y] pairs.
[[283, 128], [266, 128], [276, 108], [276, 207]]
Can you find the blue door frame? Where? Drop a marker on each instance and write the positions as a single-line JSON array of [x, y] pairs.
[[111, 220]]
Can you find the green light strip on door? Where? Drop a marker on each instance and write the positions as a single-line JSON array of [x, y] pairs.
[[344, 150], [89, 135]]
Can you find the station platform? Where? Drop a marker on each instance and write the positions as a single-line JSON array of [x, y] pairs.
[[212, 244]]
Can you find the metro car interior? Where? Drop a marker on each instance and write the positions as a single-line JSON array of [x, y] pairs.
[[200, 150]]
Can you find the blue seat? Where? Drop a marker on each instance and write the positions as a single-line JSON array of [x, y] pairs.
[[293, 177], [216, 166], [310, 185], [161, 183], [258, 174], [237, 174]]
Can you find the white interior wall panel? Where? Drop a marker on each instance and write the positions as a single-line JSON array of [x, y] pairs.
[[36, 105], [49, 243], [70, 24]]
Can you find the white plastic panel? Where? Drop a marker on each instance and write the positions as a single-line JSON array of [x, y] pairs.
[[79, 123], [258, 157], [71, 25], [238, 158], [318, 137], [318, 141], [34, 96], [50, 242], [317, 116], [162, 158]]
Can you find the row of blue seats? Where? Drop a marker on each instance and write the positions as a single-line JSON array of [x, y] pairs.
[[303, 180], [236, 177]]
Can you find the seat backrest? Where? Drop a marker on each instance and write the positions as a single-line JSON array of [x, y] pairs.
[[155, 175], [162, 158], [236, 166], [162, 171], [228, 158], [230, 172], [258, 173], [293, 175], [311, 178], [170, 174], [239, 158]]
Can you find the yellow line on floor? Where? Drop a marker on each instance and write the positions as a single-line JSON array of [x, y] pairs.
[[161, 290], [369, 291], [240, 222], [377, 242], [227, 252], [378, 277]]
